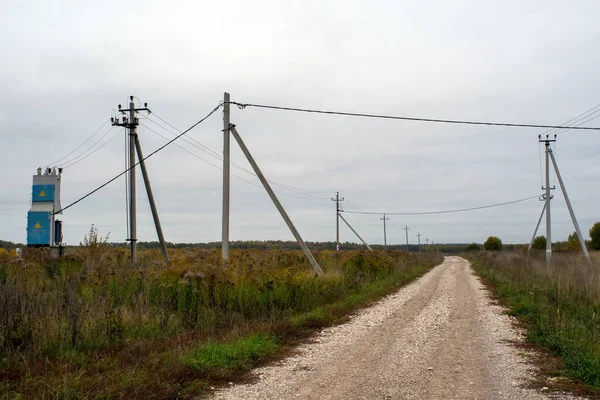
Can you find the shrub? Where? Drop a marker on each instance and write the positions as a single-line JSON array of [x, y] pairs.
[[539, 243], [493, 243], [473, 247]]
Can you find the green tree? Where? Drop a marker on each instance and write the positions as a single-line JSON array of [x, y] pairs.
[[539, 243], [493, 243], [473, 247], [595, 236], [573, 242]]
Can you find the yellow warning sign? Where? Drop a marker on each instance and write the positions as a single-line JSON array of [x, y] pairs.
[[38, 226], [43, 194]]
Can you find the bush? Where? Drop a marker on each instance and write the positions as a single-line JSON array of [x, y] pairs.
[[539, 243], [595, 236], [493, 243], [473, 247]]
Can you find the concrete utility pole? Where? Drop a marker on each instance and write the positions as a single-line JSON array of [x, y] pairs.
[[356, 233], [226, 164], [384, 232], [547, 142], [157, 225], [131, 124], [273, 197], [564, 192], [406, 229], [419, 236], [337, 219]]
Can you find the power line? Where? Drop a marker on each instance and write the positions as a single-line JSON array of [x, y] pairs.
[[209, 151], [220, 168], [81, 145], [443, 211], [577, 118], [136, 164], [380, 116], [101, 146]]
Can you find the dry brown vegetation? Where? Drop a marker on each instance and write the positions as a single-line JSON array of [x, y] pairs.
[[90, 325]]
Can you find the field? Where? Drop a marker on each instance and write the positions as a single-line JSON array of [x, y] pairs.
[[91, 326], [560, 304]]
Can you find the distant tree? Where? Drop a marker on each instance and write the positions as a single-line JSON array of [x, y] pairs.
[[573, 242], [539, 243], [473, 247], [493, 243], [595, 236]]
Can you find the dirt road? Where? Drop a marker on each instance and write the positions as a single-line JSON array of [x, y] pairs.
[[438, 338]]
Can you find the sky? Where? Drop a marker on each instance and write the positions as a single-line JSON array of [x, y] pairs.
[[68, 64]]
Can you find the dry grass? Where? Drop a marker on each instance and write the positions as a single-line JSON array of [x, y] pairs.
[[92, 326]]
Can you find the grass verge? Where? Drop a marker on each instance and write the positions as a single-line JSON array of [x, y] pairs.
[[559, 306]]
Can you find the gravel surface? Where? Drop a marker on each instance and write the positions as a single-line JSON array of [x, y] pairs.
[[438, 338]]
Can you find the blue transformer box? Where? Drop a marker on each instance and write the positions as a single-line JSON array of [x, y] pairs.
[[42, 227], [38, 228]]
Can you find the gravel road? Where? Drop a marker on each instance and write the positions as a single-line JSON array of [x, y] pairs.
[[437, 338]]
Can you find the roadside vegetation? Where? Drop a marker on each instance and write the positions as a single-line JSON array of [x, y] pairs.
[[89, 325], [560, 304]]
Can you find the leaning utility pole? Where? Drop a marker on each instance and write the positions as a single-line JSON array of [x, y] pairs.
[[131, 124], [226, 136], [271, 193], [337, 219], [419, 236], [384, 232], [356, 233], [406, 229], [564, 192], [547, 142]]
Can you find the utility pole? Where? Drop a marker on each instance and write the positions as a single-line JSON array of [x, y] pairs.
[[226, 137], [131, 124], [547, 142], [384, 232], [419, 236], [337, 219], [406, 229]]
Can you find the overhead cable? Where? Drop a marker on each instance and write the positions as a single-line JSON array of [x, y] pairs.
[[220, 168], [95, 150], [438, 120], [443, 211], [136, 164], [209, 151], [81, 145]]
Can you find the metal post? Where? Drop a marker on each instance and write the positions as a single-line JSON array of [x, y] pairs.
[[406, 229], [159, 232], [356, 233], [384, 232], [564, 191], [132, 200], [337, 219], [226, 136], [284, 215], [536, 227], [419, 236]]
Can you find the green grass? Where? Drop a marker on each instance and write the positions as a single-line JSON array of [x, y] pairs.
[[221, 359], [560, 305]]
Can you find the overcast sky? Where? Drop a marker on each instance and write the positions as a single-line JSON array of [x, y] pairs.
[[67, 64]]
